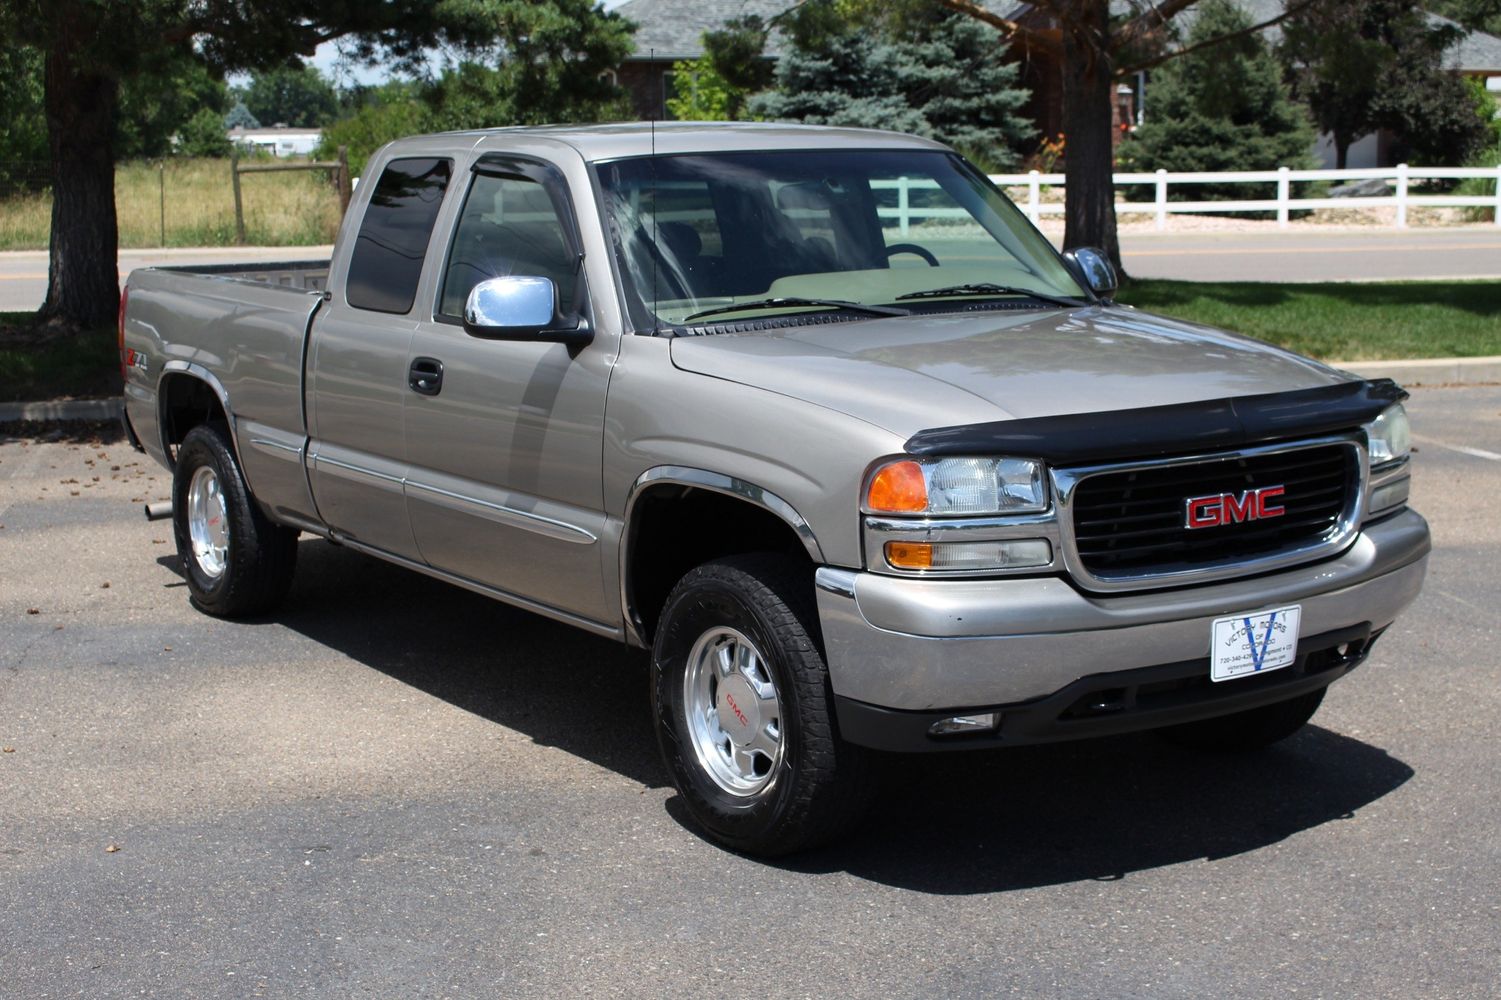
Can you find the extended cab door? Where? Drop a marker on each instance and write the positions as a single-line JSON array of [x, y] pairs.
[[505, 481], [358, 367]]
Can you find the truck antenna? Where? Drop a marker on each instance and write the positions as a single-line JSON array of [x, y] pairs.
[[661, 103]]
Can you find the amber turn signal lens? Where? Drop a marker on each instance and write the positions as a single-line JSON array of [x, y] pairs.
[[898, 488], [909, 555]]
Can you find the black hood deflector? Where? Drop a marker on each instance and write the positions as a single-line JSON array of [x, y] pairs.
[[1181, 428]]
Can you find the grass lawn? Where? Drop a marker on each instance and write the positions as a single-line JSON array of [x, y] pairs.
[[1341, 321], [55, 368]]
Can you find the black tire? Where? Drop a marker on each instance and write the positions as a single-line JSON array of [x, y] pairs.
[[1252, 729], [259, 557], [820, 785]]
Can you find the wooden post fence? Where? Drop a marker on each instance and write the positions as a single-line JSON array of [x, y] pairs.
[[338, 175]]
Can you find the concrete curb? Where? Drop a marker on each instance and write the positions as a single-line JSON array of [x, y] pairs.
[[1424, 371], [1430, 371]]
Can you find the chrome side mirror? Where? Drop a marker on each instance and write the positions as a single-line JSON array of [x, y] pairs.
[[1093, 267], [517, 307]]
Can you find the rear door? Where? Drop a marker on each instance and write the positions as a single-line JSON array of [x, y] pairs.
[[358, 372], [505, 481]]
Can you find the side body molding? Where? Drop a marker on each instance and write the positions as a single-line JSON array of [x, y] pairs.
[[716, 482]]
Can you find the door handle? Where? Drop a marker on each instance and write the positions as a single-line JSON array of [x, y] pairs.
[[425, 376]]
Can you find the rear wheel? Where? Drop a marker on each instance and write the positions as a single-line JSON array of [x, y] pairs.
[[743, 709], [1249, 730], [236, 561]]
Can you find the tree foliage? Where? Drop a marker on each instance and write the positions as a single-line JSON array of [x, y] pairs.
[[544, 61], [716, 85], [23, 129], [1478, 15], [156, 103], [1365, 65], [701, 94], [941, 76], [239, 116], [1220, 108], [203, 135], [94, 48], [298, 96]]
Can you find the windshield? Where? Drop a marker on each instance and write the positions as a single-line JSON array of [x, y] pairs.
[[770, 231]]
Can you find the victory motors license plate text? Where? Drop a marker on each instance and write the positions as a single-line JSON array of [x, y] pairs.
[[1247, 644]]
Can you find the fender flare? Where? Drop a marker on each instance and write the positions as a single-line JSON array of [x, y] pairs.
[[714, 482], [202, 374]]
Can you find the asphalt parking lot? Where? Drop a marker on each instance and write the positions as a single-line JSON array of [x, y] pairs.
[[395, 788]]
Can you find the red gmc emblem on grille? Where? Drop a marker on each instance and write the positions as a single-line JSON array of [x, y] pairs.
[[1232, 508]]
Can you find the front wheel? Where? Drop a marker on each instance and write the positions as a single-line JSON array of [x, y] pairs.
[[236, 561], [743, 709], [1251, 729]]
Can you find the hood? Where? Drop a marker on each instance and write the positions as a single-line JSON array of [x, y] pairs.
[[911, 373]]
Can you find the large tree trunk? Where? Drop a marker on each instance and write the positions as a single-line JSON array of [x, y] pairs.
[[83, 277], [1089, 153], [1341, 150]]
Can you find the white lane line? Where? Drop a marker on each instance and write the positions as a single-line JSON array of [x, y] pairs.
[[1462, 449]]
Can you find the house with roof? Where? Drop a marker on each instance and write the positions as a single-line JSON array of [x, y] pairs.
[[669, 31]]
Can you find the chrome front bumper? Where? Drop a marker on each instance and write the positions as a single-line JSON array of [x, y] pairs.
[[923, 645]]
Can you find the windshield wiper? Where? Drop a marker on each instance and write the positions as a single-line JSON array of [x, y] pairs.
[[987, 288], [794, 301]]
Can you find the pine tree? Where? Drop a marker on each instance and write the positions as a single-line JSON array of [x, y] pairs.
[[941, 78], [1221, 108]]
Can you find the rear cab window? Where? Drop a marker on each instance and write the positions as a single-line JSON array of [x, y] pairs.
[[386, 264]]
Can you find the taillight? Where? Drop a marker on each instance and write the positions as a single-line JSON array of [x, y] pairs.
[[124, 296]]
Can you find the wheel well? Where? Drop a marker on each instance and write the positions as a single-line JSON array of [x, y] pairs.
[[675, 528], [186, 402]]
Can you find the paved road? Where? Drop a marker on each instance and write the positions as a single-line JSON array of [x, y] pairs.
[[395, 788], [1255, 256]]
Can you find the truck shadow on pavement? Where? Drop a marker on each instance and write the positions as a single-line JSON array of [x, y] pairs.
[[1099, 810], [952, 823], [558, 685]]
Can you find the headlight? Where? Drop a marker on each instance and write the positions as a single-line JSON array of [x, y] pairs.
[[1390, 437], [958, 486]]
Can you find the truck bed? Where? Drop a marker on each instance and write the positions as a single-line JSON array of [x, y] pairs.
[[303, 275], [244, 330]]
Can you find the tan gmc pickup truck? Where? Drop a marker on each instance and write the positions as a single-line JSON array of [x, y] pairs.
[[817, 417]]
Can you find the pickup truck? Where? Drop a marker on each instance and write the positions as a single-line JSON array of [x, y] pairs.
[[816, 416]]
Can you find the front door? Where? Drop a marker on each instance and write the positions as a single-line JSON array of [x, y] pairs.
[[504, 484]]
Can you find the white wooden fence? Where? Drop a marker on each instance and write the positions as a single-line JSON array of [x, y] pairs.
[[1401, 178]]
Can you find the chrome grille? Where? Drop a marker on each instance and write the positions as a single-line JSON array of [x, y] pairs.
[[1127, 523]]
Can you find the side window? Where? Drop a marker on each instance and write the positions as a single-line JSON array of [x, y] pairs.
[[387, 260], [509, 225]]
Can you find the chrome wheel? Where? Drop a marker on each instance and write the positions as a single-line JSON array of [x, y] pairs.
[[208, 523], [734, 714]]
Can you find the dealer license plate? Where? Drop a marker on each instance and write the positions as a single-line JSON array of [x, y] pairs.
[[1241, 645]]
